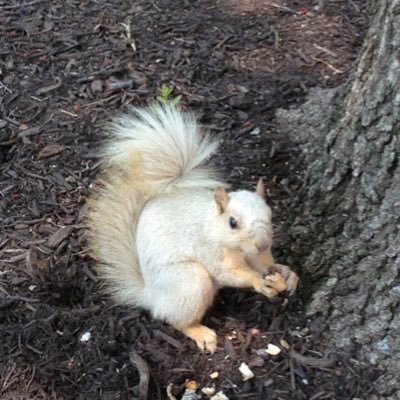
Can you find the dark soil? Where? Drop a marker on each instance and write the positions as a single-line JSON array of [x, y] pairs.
[[66, 67]]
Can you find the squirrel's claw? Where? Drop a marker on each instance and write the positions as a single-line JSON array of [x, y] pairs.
[[291, 278], [265, 287]]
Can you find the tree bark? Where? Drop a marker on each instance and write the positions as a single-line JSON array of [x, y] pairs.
[[345, 223]]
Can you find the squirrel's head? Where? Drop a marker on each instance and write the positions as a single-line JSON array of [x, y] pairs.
[[246, 219]]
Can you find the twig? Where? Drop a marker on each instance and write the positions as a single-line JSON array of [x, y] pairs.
[[32, 377], [28, 222], [292, 378], [105, 100], [355, 6], [14, 6], [173, 342], [32, 175], [68, 113], [335, 70], [324, 49], [312, 361], [283, 8], [144, 374], [34, 349], [103, 73], [5, 382], [169, 392], [5, 87], [276, 39], [120, 85], [155, 5], [129, 37], [17, 297]]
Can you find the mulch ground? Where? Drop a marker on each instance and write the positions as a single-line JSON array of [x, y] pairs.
[[66, 67]]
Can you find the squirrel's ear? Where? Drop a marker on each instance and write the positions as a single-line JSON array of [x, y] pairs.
[[260, 189], [221, 198]]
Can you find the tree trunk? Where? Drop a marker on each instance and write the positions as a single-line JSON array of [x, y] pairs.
[[346, 220]]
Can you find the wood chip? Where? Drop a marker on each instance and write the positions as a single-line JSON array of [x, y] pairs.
[[60, 235], [29, 131], [230, 349], [51, 150], [173, 342], [97, 86]]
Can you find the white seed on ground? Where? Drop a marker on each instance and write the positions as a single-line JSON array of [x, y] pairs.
[[247, 373], [272, 350], [208, 391], [220, 396], [284, 344], [85, 337]]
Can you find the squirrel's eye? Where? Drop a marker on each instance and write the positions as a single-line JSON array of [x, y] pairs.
[[233, 223]]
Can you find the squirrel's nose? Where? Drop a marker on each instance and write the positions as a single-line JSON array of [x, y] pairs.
[[263, 247]]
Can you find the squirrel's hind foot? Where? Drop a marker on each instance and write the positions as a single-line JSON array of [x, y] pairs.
[[205, 338]]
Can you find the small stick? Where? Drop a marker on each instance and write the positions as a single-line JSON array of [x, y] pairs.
[[312, 361], [68, 113], [129, 37], [144, 373], [14, 6], [335, 70], [283, 8], [292, 378], [169, 392], [325, 50]]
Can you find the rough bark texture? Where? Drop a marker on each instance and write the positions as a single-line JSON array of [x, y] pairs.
[[347, 216]]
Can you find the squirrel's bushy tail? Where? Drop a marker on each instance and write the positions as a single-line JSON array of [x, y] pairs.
[[150, 152], [171, 150]]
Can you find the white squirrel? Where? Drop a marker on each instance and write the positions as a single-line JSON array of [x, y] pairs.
[[164, 231]]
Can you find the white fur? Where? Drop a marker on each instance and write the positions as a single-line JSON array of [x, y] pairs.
[[187, 226], [172, 150], [164, 250]]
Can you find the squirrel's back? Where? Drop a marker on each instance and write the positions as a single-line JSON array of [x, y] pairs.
[[176, 224], [150, 153]]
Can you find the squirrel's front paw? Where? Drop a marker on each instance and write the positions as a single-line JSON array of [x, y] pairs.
[[290, 277], [265, 285]]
